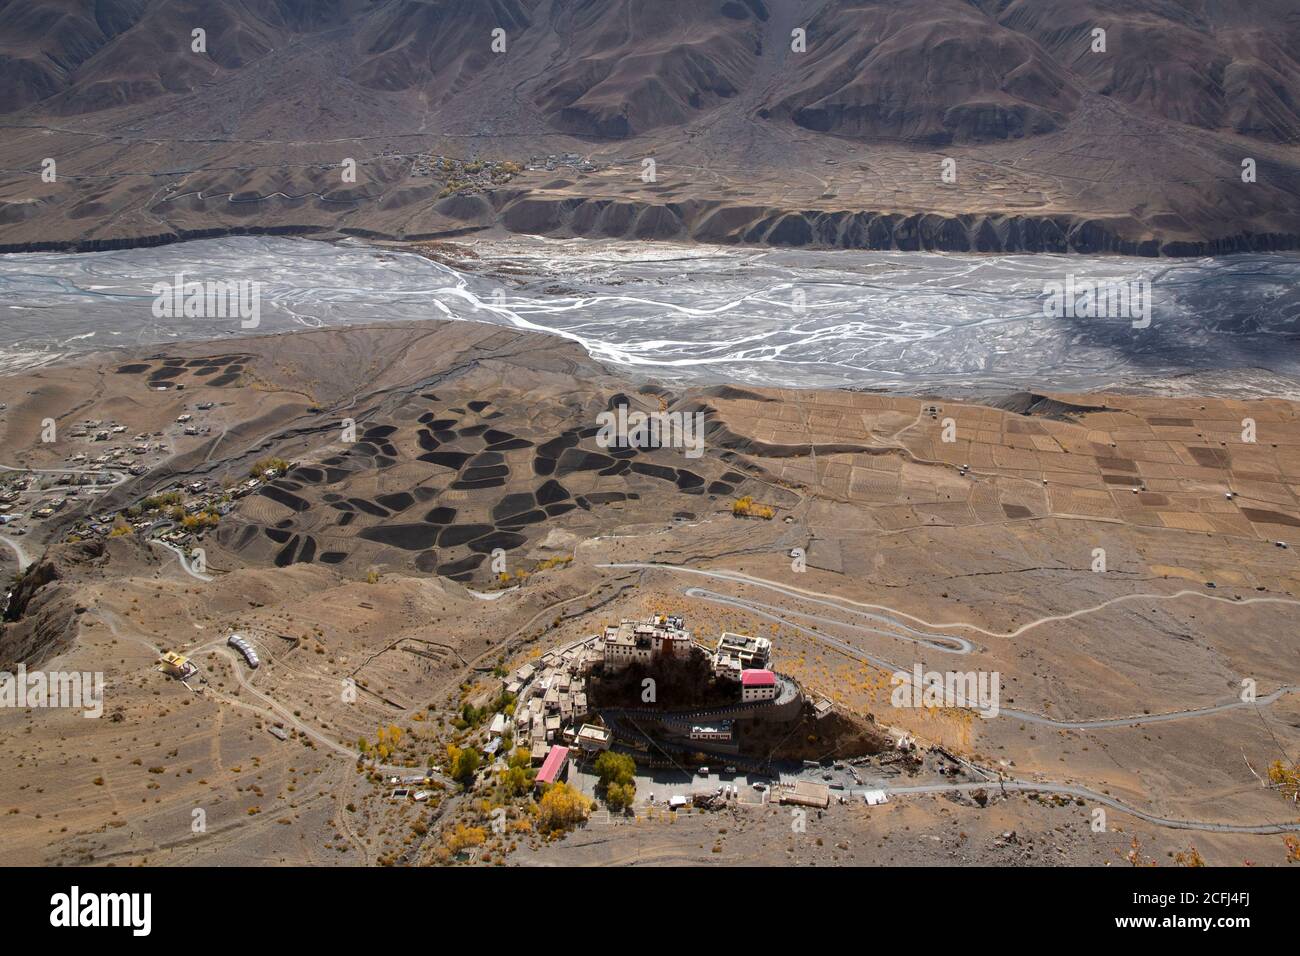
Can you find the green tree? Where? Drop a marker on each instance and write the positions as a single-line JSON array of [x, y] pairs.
[[462, 764], [617, 773], [620, 796], [613, 767], [517, 778]]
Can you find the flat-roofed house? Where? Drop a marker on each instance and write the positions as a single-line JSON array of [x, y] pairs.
[[641, 641], [805, 793], [591, 657], [668, 635], [623, 646], [739, 652], [592, 737]]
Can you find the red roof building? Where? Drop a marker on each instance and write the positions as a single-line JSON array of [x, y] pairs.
[[757, 684], [554, 766]]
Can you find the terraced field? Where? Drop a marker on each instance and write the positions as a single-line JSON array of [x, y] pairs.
[[439, 485]]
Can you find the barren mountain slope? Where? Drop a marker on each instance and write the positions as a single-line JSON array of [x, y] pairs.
[[1116, 126]]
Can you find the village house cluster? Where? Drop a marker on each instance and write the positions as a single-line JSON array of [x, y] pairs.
[[464, 174], [553, 160], [110, 459], [12, 488], [196, 498], [553, 715], [41, 495]]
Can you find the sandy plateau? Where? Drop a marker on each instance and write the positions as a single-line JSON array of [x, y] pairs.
[[368, 563]]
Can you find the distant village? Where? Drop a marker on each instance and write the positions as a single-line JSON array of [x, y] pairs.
[[101, 456], [553, 161], [461, 175], [468, 175]]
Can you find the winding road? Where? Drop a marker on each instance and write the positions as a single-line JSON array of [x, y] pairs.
[[180, 556], [841, 602], [1083, 792], [782, 616], [23, 558]]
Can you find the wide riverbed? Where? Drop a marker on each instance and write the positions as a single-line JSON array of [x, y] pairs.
[[900, 321]]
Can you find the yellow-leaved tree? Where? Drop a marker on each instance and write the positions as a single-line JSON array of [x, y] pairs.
[[562, 808]]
